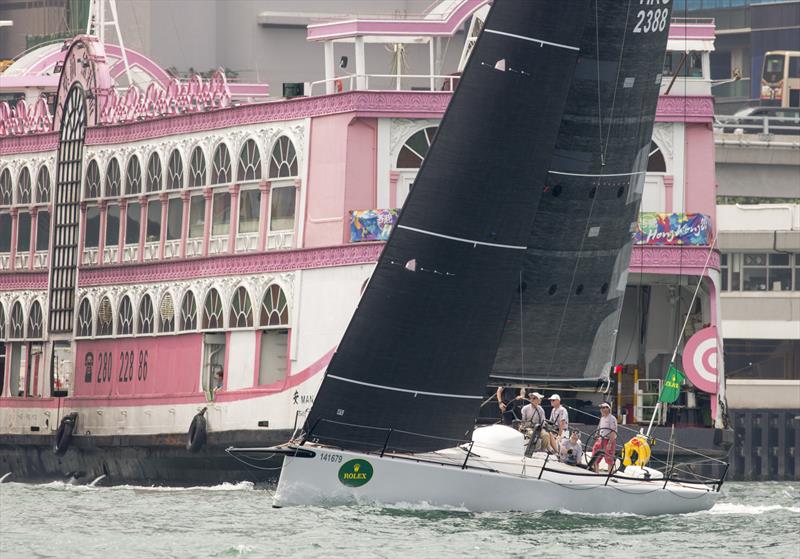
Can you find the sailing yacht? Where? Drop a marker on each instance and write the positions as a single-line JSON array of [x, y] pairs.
[[545, 226]]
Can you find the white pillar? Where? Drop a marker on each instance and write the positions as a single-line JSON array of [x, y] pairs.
[[329, 68], [431, 62], [361, 64]]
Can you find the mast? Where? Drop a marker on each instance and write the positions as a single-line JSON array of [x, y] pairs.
[[417, 353]]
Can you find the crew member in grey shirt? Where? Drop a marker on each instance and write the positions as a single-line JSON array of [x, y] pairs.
[[560, 419]]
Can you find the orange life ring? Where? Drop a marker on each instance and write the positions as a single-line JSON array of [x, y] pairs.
[[339, 85]]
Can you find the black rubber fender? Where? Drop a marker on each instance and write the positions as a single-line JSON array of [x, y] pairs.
[[196, 437], [63, 435]]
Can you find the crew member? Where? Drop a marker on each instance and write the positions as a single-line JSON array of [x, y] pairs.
[[570, 451], [534, 412], [606, 442], [559, 417], [505, 396]]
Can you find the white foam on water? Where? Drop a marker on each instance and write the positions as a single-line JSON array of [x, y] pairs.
[[738, 508], [424, 506], [240, 486]]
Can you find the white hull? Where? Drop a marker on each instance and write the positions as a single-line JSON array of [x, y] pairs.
[[497, 481]]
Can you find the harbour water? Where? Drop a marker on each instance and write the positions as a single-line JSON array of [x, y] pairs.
[[66, 521]]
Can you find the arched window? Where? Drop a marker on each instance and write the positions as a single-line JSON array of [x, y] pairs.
[[43, 185], [105, 318], [92, 182], [125, 322], [188, 312], [221, 172], [85, 318], [17, 322], [35, 321], [112, 178], [241, 310], [197, 168], [175, 171], [145, 324], [656, 163], [212, 311], [133, 177], [24, 187], [416, 148], [154, 173], [283, 161], [2, 322], [5, 188], [274, 310], [249, 163], [166, 314]]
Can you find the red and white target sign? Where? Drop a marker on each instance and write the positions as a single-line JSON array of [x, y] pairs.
[[700, 360]]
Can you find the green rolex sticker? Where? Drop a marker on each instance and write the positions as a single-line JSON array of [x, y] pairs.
[[355, 473]]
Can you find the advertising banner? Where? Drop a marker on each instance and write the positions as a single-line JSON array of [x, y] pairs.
[[673, 229], [371, 225]]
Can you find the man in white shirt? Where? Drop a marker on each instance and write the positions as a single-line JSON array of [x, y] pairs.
[[606, 442], [533, 412], [560, 420]]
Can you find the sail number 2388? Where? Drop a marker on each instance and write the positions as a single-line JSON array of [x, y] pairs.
[[652, 19]]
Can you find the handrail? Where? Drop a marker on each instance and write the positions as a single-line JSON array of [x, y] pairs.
[[361, 82], [757, 124]]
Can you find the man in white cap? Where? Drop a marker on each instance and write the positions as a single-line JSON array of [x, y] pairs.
[[533, 412], [560, 419], [606, 444]]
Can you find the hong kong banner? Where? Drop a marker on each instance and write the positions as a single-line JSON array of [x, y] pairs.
[[371, 225], [672, 229]]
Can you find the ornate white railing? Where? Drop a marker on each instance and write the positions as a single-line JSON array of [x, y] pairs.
[[90, 256], [110, 254], [218, 245], [194, 247], [130, 253], [280, 240], [151, 251], [172, 249], [247, 242], [40, 260]]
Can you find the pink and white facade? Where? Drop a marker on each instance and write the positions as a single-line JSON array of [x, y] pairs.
[[213, 262]]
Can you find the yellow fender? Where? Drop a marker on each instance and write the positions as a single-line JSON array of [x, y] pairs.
[[639, 446]]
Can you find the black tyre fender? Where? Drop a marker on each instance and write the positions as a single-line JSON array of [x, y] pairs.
[[63, 435], [196, 437]]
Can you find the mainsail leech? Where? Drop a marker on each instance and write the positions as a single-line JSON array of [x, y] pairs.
[[432, 314]]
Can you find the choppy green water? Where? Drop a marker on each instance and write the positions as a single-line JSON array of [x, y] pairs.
[[58, 520]]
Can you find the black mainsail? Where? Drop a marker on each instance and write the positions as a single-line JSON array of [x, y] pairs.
[[417, 353], [562, 324]]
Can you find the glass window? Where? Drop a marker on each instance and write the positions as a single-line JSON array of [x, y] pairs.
[[112, 178], [92, 182], [153, 221], [132, 224], [175, 170], [43, 185], [23, 232], [282, 215], [112, 225], [221, 172], [283, 160], [154, 173], [212, 311], [125, 324], [416, 148], [754, 272], [17, 322], [91, 238], [197, 216], [249, 210], [105, 318], [5, 188], [197, 169], [723, 270], [780, 272], [241, 309], [221, 219], [188, 312], [273, 354], [249, 163], [24, 187], [85, 318], [146, 320], [133, 177], [797, 271], [35, 321], [274, 310], [43, 230], [5, 232], [174, 219]]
